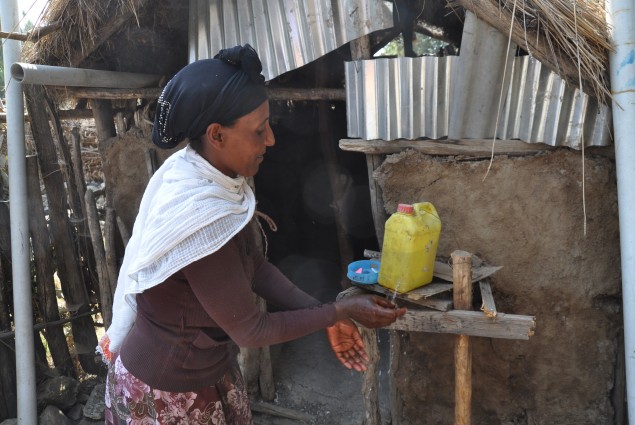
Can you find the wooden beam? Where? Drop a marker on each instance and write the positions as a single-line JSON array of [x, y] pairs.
[[34, 35], [275, 93], [473, 323], [469, 147], [67, 114]]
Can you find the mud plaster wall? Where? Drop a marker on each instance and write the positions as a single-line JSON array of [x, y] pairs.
[[125, 171], [527, 217]]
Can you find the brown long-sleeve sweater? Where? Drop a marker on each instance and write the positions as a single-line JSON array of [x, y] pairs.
[[188, 329]]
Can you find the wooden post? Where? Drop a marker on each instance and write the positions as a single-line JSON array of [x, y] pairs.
[[462, 273], [361, 49], [100, 258], [104, 119], [370, 388], [8, 393], [62, 234], [110, 249], [44, 270]]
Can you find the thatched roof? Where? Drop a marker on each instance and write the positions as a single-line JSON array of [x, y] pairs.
[[145, 36], [150, 36]]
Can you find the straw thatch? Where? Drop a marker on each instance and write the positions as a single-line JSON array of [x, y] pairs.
[[80, 21], [569, 36]]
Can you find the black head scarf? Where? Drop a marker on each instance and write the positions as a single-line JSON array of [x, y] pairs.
[[218, 90]]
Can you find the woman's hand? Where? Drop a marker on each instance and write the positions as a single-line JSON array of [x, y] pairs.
[[347, 345], [370, 311]]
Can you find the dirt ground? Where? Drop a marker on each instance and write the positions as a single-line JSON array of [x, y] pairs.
[[309, 379]]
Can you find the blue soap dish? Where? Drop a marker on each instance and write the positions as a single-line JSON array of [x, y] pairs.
[[364, 271]]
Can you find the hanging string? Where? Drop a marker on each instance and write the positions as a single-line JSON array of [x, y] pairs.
[[272, 226]]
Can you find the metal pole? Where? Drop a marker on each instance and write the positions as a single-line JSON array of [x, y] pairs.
[[621, 18], [23, 314], [46, 75]]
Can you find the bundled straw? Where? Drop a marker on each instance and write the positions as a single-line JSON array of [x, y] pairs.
[[565, 35], [81, 23]]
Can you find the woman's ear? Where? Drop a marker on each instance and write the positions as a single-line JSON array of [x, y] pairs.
[[213, 134]]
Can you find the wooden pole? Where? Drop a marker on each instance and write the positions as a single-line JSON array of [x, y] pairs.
[[111, 249], [462, 273], [44, 270], [100, 258], [8, 393]]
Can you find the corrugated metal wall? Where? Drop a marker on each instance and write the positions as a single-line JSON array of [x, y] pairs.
[[287, 34], [474, 95]]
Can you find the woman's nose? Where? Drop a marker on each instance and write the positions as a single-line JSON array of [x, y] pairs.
[[270, 140]]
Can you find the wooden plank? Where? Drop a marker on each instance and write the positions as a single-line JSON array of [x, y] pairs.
[[420, 296], [443, 270], [473, 323], [488, 306], [468, 147]]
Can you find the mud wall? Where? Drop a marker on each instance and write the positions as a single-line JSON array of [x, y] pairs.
[[526, 216]]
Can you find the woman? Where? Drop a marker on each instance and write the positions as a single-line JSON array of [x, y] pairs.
[[184, 299]]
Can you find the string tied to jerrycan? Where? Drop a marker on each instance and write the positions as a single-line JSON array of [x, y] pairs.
[[411, 238]]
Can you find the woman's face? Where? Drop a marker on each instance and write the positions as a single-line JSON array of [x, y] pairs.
[[239, 149]]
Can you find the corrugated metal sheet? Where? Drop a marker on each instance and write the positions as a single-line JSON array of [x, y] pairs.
[[410, 98], [541, 108], [287, 34], [399, 98]]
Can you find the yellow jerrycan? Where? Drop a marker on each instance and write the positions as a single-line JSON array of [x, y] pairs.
[[411, 238]]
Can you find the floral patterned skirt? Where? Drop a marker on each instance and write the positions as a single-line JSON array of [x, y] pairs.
[[131, 401]]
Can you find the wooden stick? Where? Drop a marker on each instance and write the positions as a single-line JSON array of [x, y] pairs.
[[110, 249], [47, 325], [488, 307], [34, 35], [151, 161], [100, 258], [283, 412], [462, 265]]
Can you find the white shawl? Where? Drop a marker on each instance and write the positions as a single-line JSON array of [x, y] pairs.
[[188, 211]]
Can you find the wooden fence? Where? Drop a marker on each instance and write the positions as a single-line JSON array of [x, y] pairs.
[[67, 246]]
